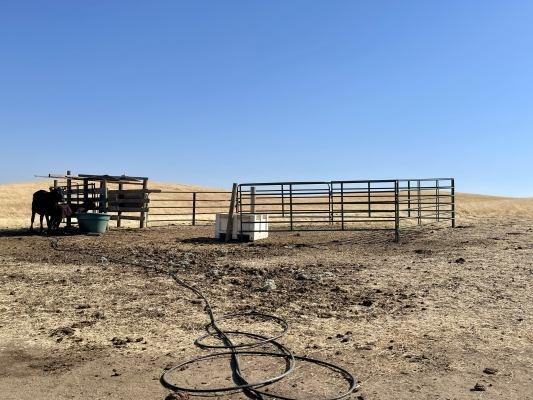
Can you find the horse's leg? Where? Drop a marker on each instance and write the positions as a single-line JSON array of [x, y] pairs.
[[49, 228], [32, 219], [41, 221], [55, 222]]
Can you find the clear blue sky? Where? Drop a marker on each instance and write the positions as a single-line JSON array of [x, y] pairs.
[[222, 91]]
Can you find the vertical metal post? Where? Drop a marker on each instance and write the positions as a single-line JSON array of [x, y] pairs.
[[419, 205], [252, 200], [342, 206], [330, 204], [55, 183], [240, 235], [396, 213], [369, 202], [437, 207], [290, 204], [194, 208], [409, 198], [120, 195], [282, 202], [69, 197], [252, 208], [453, 201]]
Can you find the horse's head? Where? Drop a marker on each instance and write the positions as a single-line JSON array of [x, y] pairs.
[[57, 193]]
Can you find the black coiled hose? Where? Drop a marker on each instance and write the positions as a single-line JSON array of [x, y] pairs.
[[253, 390]]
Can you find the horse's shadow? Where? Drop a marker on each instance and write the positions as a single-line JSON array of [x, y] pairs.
[[23, 232], [14, 232]]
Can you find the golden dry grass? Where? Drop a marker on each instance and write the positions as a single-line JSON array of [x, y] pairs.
[[15, 200]]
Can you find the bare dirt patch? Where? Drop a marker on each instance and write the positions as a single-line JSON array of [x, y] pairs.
[[410, 319]]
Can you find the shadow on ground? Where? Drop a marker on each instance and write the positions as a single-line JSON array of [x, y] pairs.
[[21, 232]]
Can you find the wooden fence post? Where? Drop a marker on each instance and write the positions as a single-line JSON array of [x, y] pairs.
[[119, 196], [103, 196], [85, 192], [229, 226], [69, 197], [144, 214]]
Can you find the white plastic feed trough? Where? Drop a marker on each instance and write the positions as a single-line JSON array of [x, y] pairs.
[[254, 226]]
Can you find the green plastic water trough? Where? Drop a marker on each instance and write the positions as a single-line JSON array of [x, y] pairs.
[[92, 222]]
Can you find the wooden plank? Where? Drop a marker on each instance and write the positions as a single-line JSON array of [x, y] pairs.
[[127, 209], [137, 206], [114, 200], [113, 178], [126, 217], [138, 191], [81, 191], [126, 195], [117, 199]]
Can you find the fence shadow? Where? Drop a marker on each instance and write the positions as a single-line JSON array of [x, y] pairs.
[[202, 240]]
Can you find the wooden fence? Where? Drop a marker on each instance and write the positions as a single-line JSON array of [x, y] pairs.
[[125, 198], [187, 207]]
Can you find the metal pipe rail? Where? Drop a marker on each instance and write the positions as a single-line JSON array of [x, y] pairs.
[[353, 205], [388, 204]]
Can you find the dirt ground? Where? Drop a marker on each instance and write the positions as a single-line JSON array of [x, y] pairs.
[[427, 318]]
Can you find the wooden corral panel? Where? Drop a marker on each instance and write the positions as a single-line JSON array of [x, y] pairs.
[[127, 200], [125, 217], [128, 194], [126, 209]]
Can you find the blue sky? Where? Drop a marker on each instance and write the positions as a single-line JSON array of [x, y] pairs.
[[221, 91]]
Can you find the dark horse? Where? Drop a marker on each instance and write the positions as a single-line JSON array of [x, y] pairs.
[[62, 211], [59, 212], [45, 203]]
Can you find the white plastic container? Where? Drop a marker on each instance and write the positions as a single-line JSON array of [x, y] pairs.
[[254, 226]]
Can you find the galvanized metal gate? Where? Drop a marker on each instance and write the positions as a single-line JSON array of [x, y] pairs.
[[346, 205]]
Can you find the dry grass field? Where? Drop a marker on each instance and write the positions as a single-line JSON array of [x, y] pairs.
[[16, 203], [430, 317]]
